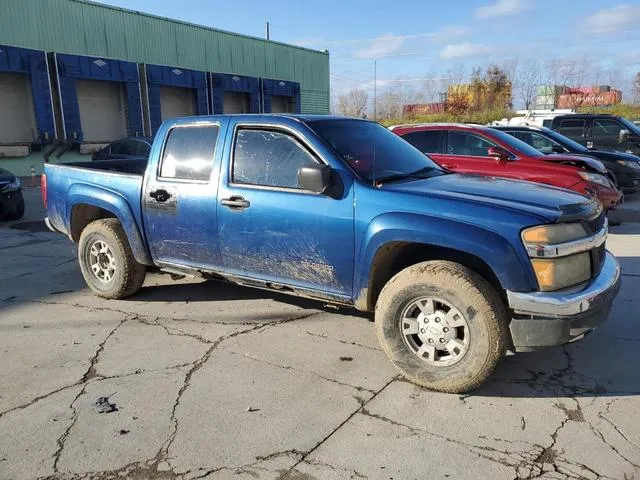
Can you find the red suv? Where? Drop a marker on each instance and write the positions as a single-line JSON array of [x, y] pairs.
[[481, 150]]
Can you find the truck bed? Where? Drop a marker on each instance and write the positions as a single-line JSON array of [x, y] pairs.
[[131, 166], [80, 182]]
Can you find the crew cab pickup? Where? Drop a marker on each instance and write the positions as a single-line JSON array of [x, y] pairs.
[[600, 131], [458, 269]]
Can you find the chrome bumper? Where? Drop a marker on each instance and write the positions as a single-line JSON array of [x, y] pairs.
[[545, 319], [564, 303]]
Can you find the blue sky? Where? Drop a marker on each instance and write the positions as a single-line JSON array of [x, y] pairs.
[[417, 40]]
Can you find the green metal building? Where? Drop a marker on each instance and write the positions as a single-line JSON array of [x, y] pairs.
[[75, 75]]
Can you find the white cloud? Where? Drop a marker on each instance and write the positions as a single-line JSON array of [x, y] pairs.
[[382, 46], [501, 8], [613, 19], [464, 50]]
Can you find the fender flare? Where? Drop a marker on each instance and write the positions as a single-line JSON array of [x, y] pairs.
[[497, 252], [116, 204]]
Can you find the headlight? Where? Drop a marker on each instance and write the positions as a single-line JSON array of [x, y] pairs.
[[557, 273], [596, 178], [629, 163], [553, 234]]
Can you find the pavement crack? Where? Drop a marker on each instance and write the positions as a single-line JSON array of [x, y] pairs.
[[63, 438], [197, 365], [91, 371], [603, 416], [287, 475], [323, 335], [288, 367], [86, 377]]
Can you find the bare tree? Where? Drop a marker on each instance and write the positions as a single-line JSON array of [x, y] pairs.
[[354, 103], [527, 81], [636, 88]]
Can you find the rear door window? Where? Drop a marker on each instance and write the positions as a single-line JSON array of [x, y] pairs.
[[468, 144], [572, 127], [269, 158], [606, 128], [429, 141], [189, 152], [537, 141]]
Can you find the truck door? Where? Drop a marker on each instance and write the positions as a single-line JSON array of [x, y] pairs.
[[269, 228], [180, 197], [575, 129], [605, 134], [467, 152]]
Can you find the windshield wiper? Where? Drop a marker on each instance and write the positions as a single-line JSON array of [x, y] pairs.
[[420, 173]]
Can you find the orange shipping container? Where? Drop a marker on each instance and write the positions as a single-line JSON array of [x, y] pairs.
[[602, 99]]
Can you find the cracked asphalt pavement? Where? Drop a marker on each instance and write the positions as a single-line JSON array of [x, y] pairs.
[[196, 379]]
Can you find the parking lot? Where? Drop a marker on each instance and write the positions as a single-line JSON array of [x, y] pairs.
[[196, 379]]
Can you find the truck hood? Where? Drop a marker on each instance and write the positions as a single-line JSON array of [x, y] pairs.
[[613, 156], [588, 163], [554, 204]]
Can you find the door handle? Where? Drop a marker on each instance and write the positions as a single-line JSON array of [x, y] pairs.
[[160, 195], [235, 202], [449, 165]]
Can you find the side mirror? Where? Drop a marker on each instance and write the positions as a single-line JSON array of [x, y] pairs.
[[500, 154], [624, 135], [315, 179], [557, 148]]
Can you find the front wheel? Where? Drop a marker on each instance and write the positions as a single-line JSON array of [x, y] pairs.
[[16, 207], [442, 325], [107, 262]]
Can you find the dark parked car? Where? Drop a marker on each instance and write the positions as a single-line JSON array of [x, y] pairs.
[[625, 167], [11, 199], [133, 147], [602, 132]]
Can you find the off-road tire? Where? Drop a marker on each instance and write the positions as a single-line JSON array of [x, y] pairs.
[[129, 274], [484, 310], [15, 209]]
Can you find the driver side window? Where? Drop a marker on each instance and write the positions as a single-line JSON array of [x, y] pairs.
[[469, 144], [269, 158]]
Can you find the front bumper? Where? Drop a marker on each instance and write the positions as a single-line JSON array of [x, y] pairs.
[[544, 319]]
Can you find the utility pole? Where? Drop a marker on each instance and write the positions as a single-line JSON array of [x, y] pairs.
[[375, 85], [267, 30]]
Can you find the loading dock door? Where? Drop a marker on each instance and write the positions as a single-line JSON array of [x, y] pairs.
[[17, 119], [103, 110], [177, 102], [281, 104], [235, 102]]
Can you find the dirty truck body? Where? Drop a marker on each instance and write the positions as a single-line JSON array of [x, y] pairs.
[[458, 269]]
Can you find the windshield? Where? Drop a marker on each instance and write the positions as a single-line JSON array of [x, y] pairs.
[[565, 141], [632, 127], [371, 150], [516, 144]]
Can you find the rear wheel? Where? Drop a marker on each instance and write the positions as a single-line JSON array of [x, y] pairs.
[[442, 325], [107, 262]]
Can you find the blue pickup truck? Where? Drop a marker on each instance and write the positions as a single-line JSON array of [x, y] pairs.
[[458, 269]]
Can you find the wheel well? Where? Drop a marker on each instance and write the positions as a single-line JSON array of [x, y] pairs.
[[396, 256], [83, 214]]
